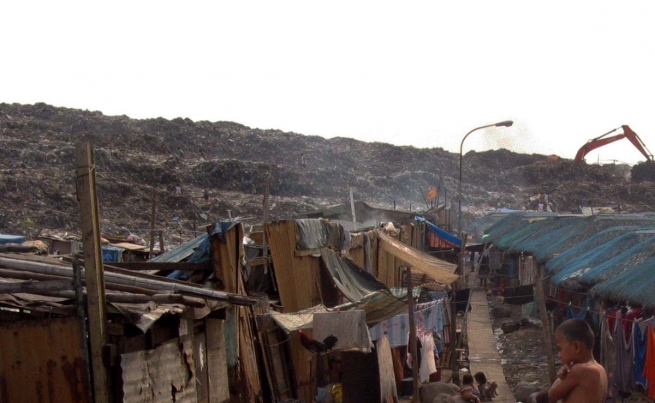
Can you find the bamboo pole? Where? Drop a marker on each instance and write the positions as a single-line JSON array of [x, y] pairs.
[[152, 223], [128, 280]]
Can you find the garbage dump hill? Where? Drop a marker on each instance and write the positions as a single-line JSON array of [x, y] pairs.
[[221, 167]]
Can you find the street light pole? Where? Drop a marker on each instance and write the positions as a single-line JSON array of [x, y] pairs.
[[506, 123]]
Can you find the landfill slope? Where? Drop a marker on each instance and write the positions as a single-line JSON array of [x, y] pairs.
[[232, 162]]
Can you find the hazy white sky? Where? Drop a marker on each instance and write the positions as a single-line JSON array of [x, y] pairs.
[[407, 73]]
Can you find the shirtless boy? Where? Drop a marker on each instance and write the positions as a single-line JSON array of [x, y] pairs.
[[581, 379]]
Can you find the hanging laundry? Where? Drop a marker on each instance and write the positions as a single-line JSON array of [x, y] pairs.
[[639, 344], [396, 328], [649, 369], [623, 374], [428, 366], [608, 349]]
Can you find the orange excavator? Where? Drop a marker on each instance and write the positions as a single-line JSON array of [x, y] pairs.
[[602, 140]]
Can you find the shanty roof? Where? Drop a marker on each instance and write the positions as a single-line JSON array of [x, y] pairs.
[[129, 246], [634, 285], [619, 263], [557, 263], [555, 243], [440, 232], [570, 274], [477, 228], [532, 229], [181, 252], [437, 269], [511, 223], [45, 284]]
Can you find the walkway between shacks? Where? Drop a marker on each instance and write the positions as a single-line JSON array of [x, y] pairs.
[[483, 354]]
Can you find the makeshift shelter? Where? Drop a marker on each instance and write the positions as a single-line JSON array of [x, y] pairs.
[[157, 327]]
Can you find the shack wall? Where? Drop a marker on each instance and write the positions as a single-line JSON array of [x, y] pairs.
[[43, 361]]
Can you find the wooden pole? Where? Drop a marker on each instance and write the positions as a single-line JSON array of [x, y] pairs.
[[152, 223], [265, 205], [161, 242], [548, 342], [95, 281], [412, 334], [352, 208]]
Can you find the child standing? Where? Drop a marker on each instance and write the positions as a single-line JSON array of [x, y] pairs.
[[581, 379]]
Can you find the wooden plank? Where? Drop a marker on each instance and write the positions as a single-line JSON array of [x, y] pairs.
[[86, 188], [164, 266], [259, 261]]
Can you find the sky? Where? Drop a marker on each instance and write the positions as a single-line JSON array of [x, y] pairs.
[[420, 73]]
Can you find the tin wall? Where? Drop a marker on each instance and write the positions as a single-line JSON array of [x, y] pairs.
[[42, 361]]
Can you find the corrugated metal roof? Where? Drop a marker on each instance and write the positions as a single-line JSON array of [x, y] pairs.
[[538, 230], [181, 252], [512, 222]]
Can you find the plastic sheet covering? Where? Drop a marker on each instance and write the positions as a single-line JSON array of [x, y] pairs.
[[635, 285], [348, 327], [620, 263], [312, 234], [569, 275], [511, 223], [354, 282], [588, 227], [336, 238], [558, 262], [533, 230]]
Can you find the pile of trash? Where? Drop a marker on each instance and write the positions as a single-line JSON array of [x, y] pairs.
[[208, 171]]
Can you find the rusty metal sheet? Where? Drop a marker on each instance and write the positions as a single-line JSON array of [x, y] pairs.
[[42, 361], [163, 375], [304, 368]]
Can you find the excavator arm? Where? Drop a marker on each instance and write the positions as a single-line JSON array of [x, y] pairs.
[[602, 140]]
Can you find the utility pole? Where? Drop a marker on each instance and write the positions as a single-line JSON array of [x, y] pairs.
[[93, 269]]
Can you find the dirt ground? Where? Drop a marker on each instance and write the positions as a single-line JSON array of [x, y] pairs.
[[523, 352]]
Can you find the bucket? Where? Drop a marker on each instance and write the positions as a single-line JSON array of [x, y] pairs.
[[436, 376]]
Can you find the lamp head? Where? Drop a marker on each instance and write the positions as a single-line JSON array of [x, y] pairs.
[[506, 123]]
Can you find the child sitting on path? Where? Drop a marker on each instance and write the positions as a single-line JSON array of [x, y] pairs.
[[468, 391], [581, 379], [487, 389]]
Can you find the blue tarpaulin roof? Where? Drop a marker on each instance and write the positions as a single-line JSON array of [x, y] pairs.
[[620, 263], [443, 234], [634, 285], [6, 239]]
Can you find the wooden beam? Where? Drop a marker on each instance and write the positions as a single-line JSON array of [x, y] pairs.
[[164, 266], [258, 261], [545, 324], [96, 305], [412, 335]]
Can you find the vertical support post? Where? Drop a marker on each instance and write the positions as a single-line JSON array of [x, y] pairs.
[[412, 334], [95, 282], [152, 223], [161, 242], [541, 295], [352, 209], [265, 205]]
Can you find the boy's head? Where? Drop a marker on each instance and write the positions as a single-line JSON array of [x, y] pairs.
[[573, 337], [467, 379], [480, 378]]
